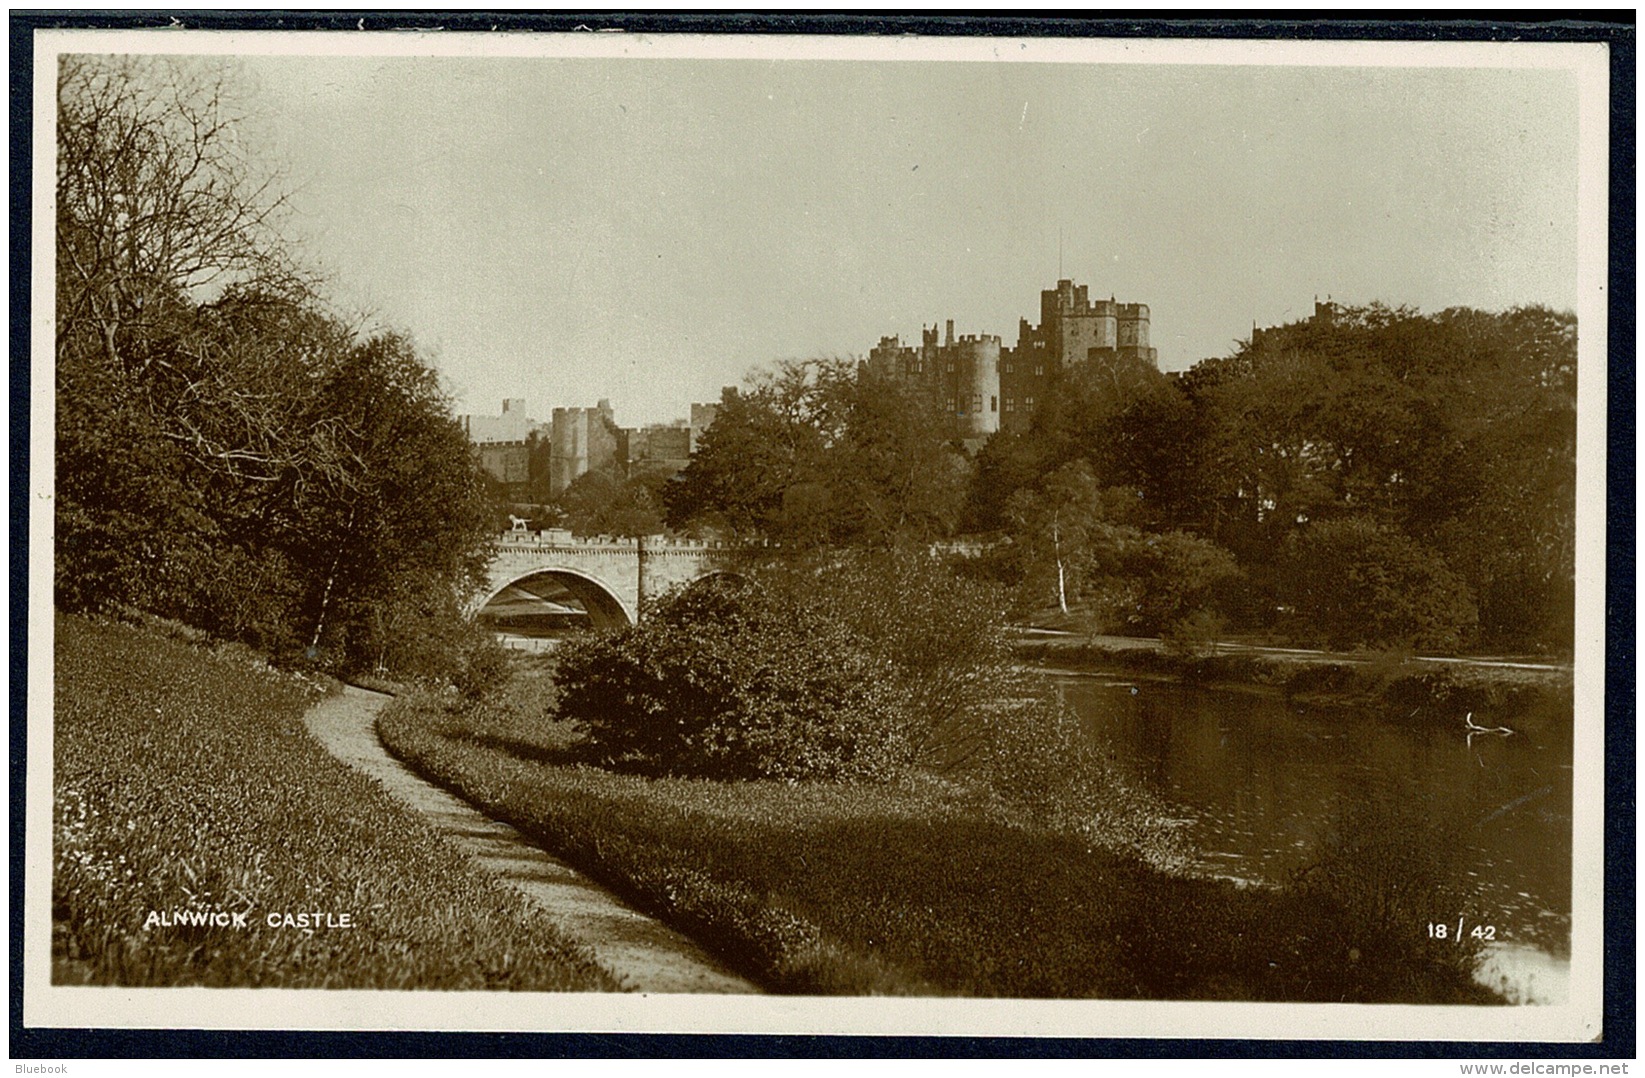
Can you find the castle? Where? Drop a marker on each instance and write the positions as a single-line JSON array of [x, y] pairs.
[[984, 385], [538, 461], [988, 387]]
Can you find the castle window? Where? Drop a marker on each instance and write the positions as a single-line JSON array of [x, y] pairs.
[[1010, 404], [976, 404], [1028, 402], [993, 404], [950, 368], [1009, 367], [1039, 368]]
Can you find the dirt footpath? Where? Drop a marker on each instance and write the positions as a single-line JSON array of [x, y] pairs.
[[645, 955]]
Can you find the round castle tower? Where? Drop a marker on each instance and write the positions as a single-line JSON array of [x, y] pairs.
[[976, 385]]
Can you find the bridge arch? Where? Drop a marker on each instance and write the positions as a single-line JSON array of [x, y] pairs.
[[606, 608]]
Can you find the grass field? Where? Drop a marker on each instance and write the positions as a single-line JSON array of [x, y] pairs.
[[918, 887], [184, 782]]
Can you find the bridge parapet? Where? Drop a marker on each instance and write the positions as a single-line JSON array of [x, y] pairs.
[[624, 570]]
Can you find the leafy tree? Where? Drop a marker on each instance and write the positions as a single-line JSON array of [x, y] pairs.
[[413, 506], [156, 205], [1357, 583], [228, 451], [1179, 576], [1053, 527], [1078, 419], [822, 452], [599, 503], [1007, 462], [764, 446], [1456, 430], [894, 472]]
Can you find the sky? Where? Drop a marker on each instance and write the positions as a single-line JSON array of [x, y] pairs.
[[649, 230]]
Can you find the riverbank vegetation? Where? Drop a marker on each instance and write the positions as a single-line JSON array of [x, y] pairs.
[[185, 781], [823, 838], [1395, 686]]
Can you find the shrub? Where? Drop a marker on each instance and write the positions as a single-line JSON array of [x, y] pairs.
[[939, 638], [728, 681], [1195, 634]]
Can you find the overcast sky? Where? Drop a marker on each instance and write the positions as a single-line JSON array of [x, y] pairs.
[[649, 230]]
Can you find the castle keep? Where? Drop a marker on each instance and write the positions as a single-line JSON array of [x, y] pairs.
[[988, 387]]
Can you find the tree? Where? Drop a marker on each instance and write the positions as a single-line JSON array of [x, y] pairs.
[[158, 209], [411, 508], [1006, 463], [1359, 583], [821, 452], [599, 503], [1455, 430], [157, 201], [229, 452], [1054, 524], [894, 473], [764, 445], [1178, 577]]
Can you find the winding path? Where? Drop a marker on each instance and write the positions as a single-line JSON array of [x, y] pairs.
[[645, 955]]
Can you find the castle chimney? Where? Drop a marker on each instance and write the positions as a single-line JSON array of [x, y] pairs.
[[950, 339]]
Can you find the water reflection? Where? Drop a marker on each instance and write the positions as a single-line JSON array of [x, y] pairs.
[[1265, 782]]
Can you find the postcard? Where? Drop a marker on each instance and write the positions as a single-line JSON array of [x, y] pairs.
[[592, 531]]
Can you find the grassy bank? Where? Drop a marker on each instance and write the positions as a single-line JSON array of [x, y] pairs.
[[917, 886], [1401, 688], [185, 781]]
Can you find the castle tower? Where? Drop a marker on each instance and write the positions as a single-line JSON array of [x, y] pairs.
[[1133, 326], [581, 440], [974, 384]]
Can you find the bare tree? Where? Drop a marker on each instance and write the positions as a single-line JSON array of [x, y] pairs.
[[158, 199], [172, 274]]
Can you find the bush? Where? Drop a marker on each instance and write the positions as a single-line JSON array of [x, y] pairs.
[[1194, 634], [1357, 583], [940, 640], [728, 681]]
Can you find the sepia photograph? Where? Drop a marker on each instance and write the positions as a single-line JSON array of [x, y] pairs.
[[666, 533]]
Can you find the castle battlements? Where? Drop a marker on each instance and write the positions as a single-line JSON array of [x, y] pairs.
[[988, 386]]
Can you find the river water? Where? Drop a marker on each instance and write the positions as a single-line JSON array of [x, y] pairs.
[[1261, 785]]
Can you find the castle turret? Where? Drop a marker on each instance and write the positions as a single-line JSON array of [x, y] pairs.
[[976, 383], [1133, 326]]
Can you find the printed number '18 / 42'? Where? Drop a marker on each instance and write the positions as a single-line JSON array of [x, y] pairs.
[[1439, 930]]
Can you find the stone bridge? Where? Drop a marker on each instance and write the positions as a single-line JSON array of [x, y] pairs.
[[612, 578]]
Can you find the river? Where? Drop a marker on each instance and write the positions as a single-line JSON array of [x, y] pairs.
[[1262, 785]]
